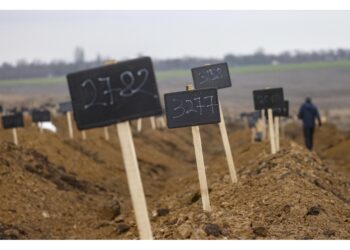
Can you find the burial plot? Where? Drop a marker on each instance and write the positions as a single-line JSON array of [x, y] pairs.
[[13, 122], [217, 76], [269, 99], [117, 93]]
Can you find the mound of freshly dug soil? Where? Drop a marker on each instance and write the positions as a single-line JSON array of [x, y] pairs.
[[52, 187]]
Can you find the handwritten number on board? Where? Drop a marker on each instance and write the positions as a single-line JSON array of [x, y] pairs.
[[191, 109], [94, 95], [179, 107], [128, 81], [211, 105], [210, 74], [200, 106]]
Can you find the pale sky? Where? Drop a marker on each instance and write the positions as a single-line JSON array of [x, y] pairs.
[[49, 35]]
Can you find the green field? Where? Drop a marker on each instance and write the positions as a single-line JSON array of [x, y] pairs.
[[165, 75]]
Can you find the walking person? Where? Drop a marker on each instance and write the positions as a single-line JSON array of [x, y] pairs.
[[308, 113]]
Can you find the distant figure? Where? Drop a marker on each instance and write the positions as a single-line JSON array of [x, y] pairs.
[[308, 113]]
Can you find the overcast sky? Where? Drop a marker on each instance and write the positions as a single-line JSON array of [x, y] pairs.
[[49, 35]]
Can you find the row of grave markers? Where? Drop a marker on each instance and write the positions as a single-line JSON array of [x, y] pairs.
[[119, 92], [14, 119]]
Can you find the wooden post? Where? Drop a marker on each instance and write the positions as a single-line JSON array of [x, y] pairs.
[[282, 125], [14, 133], [40, 127], [253, 135], [197, 143], [83, 134], [139, 125], [163, 122], [271, 131], [246, 124], [277, 133], [106, 133], [227, 147], [263, 120], [70, 127], [134, 181], [153, 122]]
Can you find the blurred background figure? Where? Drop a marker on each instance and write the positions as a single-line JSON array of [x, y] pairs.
[[308, 113]]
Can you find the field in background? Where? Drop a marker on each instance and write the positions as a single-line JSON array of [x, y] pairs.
[[169, 74], [328, 83]]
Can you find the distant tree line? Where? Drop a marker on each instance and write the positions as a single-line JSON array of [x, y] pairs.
[[23, 69]]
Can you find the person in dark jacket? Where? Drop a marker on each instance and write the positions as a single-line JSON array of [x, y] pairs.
[[308, 113]]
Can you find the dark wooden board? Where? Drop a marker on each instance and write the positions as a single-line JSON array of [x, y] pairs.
[[192, 108]]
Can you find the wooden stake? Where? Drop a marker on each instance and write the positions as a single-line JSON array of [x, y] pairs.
[[253, 135], [201, 168], [83, 134], [282, 126], [70, 128], [163, 122], [197, 143], [106, 133], [139, 125], [263, 120], [271, 132], [277, 133], [227, 147], [134, 181], [40, 127], [153, 122], [14, 133]]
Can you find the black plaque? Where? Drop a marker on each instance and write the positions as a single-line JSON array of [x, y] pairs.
[[215, 76], [13, 121], [114, 93], [282, 111], [65, 107], [268, 98], [41, 116], [191, 108]]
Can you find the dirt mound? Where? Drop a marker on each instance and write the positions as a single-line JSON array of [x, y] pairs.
[[52, 187], [291, 195]]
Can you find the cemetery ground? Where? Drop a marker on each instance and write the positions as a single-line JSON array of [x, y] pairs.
[[52, 187]]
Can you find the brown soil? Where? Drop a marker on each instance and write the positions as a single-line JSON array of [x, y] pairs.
[[52, 187]]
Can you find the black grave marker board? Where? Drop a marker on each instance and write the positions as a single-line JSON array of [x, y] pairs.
[[214, 76], [192, 108], [268, 98], [41, 116], [114, 93], [65, 107], [282, 111], [12, 121]]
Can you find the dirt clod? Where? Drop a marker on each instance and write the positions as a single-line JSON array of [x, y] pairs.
[[260, 231], [122, 228], [212, 229], [315, 210], [162, 211], [185, 231]]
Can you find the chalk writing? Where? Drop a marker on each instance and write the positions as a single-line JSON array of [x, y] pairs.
[[195, 107], [211, 76], [113, 93]]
